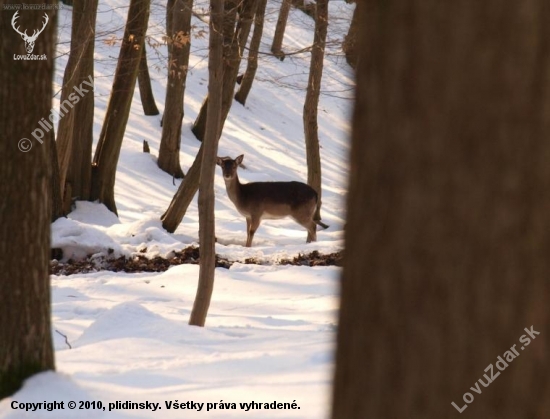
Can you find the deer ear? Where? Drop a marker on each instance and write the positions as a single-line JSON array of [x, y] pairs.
[[219, 161], [239, 159]]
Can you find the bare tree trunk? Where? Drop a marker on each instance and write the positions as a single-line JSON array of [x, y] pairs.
[[114, 126], [234, 43], [349, 46], [145, 90], [56, 202], [276, 47], [75, 133], [206, 191], [252, 66], [171, 219], [447, 238], [25, 214], [312, 102], [169, 151]]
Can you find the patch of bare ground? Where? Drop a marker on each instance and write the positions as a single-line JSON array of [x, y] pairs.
[[140, 263]]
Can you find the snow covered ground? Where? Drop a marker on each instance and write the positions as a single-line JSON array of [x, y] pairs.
[[270, 332]]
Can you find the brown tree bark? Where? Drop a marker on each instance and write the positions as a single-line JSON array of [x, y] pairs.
[[447, 238], [189, 186], [169, 151], [110, 140], [56, 201], [277, 45], [349, 46], [75, 131], [206, 192], [311, 131], [234, 42], [25, 208], [145, 89], [252, 65]]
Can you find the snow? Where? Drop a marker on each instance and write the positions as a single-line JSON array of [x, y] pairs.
[[270, 330]]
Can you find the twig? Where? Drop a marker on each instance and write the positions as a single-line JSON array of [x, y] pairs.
[[66, 340]]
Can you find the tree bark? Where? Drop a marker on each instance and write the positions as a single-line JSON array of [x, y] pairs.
[[171, 219], [25, 209], [349, 46], [118, 110], [145, 90], [447, 237], [277, 45], [311, 131], [234, 43], [56, 201], [252, 66], [169, 151], [206, 192], [75, 132]]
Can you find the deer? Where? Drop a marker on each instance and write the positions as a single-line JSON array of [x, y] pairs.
[[258, 201], [29, 40]]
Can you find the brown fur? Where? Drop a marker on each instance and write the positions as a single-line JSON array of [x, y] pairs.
[[269, 200]]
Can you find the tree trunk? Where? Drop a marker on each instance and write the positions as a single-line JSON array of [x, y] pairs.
[[114, 126], [447, 238], [171, 219], [252, 66], [56, 201], [312, 102], [145, 90], [234, 43], [75, 133], [206, 192], [169, 151], [349, 46], [276, 47], [25, 210]]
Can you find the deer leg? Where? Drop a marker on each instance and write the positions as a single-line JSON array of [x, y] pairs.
[[311, 232], [252, 225]]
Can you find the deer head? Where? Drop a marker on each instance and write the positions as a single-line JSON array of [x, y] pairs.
[[29, 40]]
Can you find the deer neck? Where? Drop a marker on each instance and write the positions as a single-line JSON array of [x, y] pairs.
[[233, 187]]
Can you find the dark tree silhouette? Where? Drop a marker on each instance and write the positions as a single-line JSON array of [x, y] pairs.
[[110, 140], [25, 209], [277, 45], [234, 41], [311, 131], [206, 192], [447, 236], [250, 73], [180, 44], [75, 133], [145, 89]]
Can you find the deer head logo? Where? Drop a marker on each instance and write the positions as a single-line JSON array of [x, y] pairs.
[[29, 40]]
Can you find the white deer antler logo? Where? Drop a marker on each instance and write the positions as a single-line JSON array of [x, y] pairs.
[[29, 40]]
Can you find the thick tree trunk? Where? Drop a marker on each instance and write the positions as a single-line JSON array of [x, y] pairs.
[[312, 102], [25, 209], [114, 126], [234, 43], [169, 151], [252, 66], [145, 90], [277, 45], [447, 239], [75, 132], [206, 193], [349, 46], [171, 219]]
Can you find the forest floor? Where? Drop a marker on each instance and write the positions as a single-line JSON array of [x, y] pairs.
[[189, 255]]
